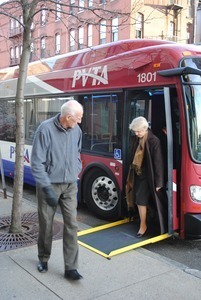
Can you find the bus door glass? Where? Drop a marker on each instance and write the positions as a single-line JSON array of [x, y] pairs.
[[138, 105], [166, 125]]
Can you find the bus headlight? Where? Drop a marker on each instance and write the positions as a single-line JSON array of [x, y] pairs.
[[195, 192]]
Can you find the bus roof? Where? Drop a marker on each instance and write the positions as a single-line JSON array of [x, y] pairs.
[[117, 65], [81, 57]]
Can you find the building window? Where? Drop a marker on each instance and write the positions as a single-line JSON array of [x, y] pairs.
[[103, 32], [12, 56], [57, 43], [31, 52], [42, 47], [72, 7], [115, 30], [11, 27], [90, 3], [102, 1], [81, 5], [89, 35], [16, 54], [21, 21], [80, 38], [72, 40], [15, 26], [58, 10], [139, 26], [43, 16], [171, 30]]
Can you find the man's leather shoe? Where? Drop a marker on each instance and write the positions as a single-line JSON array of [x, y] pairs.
[[72, 274], [42, 267]]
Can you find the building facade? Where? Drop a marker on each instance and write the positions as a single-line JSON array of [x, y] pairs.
[[198, 24], [88, 23]]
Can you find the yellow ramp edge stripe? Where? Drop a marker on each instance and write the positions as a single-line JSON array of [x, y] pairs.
[[102, 227], [127, 248], [140, 244]]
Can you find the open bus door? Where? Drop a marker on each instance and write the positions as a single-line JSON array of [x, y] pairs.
[[170, 172]]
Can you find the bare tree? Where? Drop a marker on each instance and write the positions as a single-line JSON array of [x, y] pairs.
[[30, 9]]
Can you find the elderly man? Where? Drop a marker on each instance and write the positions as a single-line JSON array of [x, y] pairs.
[[56, 163]]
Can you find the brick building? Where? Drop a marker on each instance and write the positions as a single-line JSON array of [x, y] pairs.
[[54, 33]]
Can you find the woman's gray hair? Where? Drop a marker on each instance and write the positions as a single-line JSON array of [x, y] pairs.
[[138, 124], [71, 107]]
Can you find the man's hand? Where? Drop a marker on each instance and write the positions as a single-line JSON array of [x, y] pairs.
[[50, 196]]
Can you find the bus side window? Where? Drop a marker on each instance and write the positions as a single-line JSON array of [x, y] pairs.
[[99, 124]]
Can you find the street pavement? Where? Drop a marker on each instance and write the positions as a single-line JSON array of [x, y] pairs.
[[137, 274]]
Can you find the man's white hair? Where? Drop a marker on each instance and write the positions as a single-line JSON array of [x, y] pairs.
[[138, 124], [71, 107]]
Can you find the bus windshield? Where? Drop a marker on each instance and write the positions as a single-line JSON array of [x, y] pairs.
[[192, 90]]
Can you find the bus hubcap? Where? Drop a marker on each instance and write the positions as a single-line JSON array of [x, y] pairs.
[[104, 193]]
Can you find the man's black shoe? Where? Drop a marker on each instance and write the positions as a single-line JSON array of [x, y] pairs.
[[72, 274], [42, 267]]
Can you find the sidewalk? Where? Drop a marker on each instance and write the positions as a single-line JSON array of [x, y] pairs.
[[138, 274]]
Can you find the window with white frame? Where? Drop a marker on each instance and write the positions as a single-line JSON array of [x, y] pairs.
[[21, 21], [80, 38], [115, 30], [139, 26], [72, 40], [43, 16], [90, 3], [57, 43], [89, 35], [42, 47], [31, 51], [171, 30], [11, 27], [12, 56], [72, 7], [16, 54], [81, 5], [58, 10], [16, 25], [103, 32]]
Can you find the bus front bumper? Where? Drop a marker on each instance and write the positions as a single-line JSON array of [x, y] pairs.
[[192, 227]]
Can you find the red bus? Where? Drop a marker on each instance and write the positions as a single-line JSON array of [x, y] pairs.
[[115, 83]]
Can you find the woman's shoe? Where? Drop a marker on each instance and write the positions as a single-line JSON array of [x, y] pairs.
[[140, 235]]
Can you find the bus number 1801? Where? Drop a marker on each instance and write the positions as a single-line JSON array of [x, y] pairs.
[[146, 77]]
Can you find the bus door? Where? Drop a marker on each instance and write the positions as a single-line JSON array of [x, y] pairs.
[[158, 106], [166, 125]]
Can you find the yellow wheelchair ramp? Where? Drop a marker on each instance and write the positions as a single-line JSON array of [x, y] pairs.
[[118, 237]]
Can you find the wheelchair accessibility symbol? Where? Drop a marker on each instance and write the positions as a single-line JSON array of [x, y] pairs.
[[117, 153]]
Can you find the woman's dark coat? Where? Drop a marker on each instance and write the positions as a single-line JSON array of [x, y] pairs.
[[155, 177]]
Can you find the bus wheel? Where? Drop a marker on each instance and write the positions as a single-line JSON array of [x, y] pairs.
[[101, 194]]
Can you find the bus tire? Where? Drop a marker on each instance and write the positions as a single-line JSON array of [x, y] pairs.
[[101, 194]]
